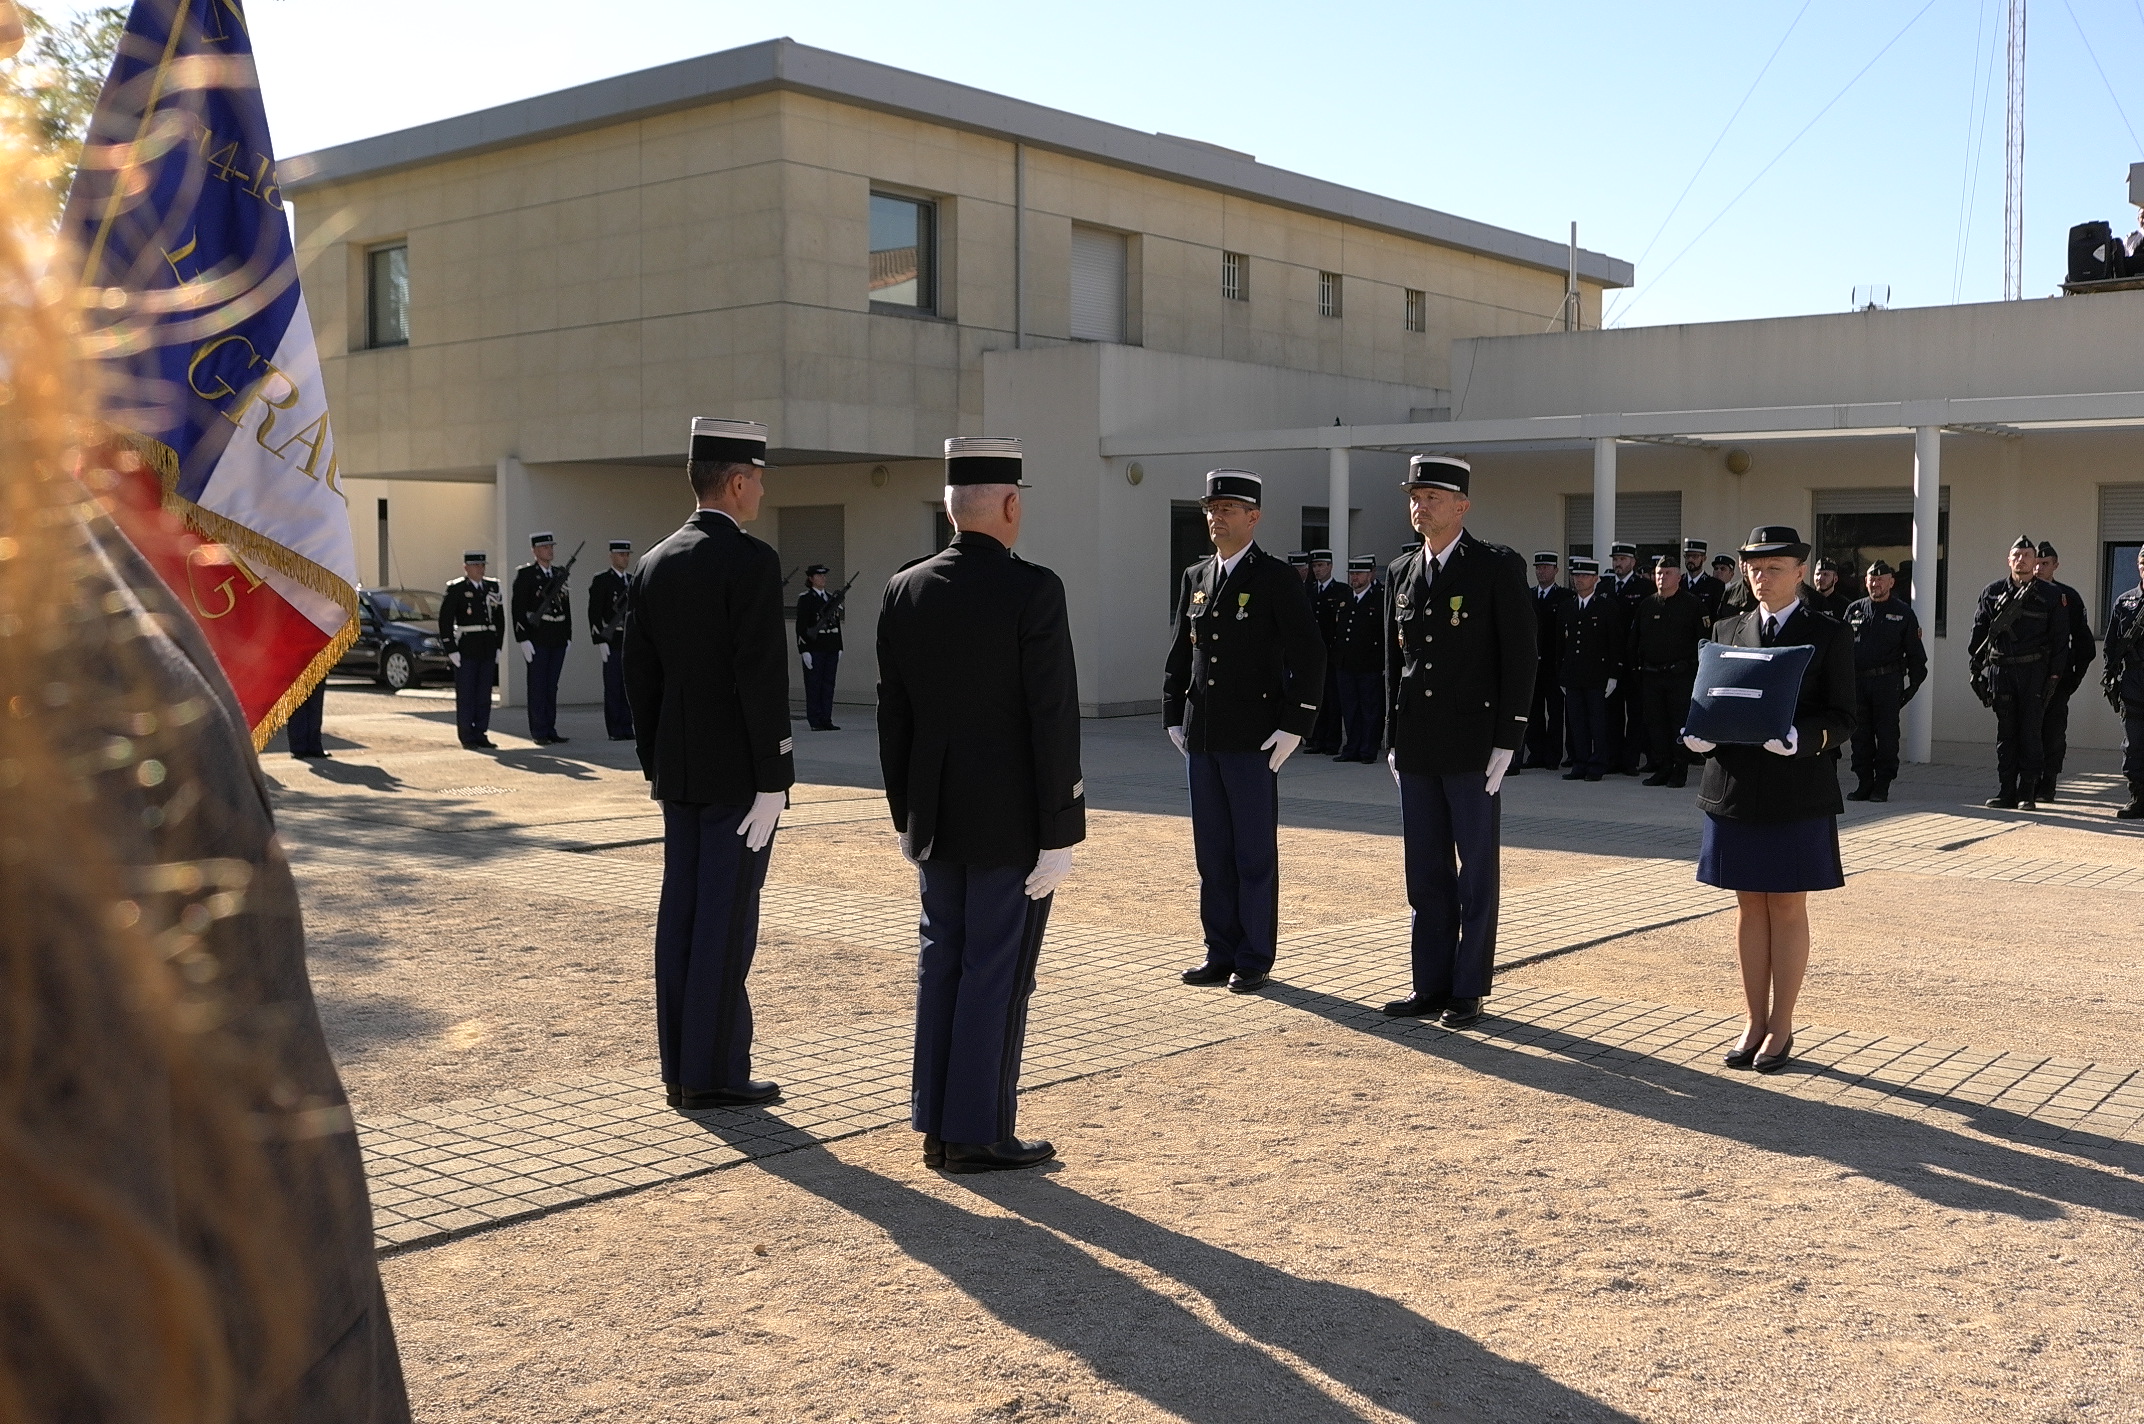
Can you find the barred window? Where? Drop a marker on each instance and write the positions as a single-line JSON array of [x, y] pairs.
[[1235, 276], [1328, 294], [1417, 310]]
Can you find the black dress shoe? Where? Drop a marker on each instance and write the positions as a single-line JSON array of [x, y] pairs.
[[1862, 792], [2134, 811], [1882, 792], [933, 1150], [1590, 776], [486, 745], [1247, 983], [1461, 1013], [1658, 778], [1006, 1156], [2001, 803], [555, 737], [2047, 796], [2028, 804], [1679, 781], [1418, 1006], [1574, 774], [1773, 1062], [1347, 758], [758, 1090], [1206, 974], [1741, 1055], [673, 1094]]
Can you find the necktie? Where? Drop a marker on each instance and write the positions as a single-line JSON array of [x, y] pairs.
[[1771, 630]]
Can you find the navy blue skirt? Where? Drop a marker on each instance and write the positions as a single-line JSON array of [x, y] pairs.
[[1774, 857]]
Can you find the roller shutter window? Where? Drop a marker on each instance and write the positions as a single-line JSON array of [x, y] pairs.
[[2121, 534], [1648, 517], [1857, 526], [1097, 285]]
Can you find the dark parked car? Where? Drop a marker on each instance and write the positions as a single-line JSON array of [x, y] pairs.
[[397, 638]]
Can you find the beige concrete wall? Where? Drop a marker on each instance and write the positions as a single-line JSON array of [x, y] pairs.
[[431, 524]]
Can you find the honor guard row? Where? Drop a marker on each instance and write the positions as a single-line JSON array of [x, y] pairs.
[[542, 611]]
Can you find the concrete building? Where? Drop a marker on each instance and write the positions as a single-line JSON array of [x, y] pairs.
[[520, 310]]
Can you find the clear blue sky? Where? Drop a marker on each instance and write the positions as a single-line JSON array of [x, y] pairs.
[[1528, 116]]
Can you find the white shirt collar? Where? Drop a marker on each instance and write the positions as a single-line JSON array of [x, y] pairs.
[[1782, 616], [1228, 565], [1438, 556]]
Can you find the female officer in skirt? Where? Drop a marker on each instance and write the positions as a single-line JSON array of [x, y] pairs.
[[1771, 811]]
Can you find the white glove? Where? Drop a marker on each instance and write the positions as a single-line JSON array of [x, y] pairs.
[[1392, 760], [1282, 745], [1785, 748], [1051, 868], [1610, 690], [1176, 735], [1697, 744], [454, 660], [528, 652], [603, 651], [1499, 763], [807, 662], [758, 824]]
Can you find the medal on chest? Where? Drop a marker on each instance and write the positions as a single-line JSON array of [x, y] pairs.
[[1456, 613], [1243, 605]]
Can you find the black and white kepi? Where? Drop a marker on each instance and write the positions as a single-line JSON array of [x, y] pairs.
[[734, 442], [1693, 546], [1547, 556], [1585, 566], [983, 460], [1241, 486], [1445, 472], [1321, 556], [544, 538], [1362, 564], [1617, 551], [475, 556], [1771, 541], [1300, 559], [621, 546]]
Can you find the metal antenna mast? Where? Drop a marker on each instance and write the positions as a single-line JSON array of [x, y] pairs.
[[2014, 159]]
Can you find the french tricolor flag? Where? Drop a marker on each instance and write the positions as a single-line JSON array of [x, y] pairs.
[[192, 310]]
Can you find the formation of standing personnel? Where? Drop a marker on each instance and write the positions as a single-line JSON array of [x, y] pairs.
[[2020, 626], [1626, 725], [1664, 635], [543, 626], [2066, 672], [1890, 664], [472, 623], [1356, 655], [1326, 593], [1709, 589], [1592, 647], [2121, 682], [1544, 723], [610, 600]]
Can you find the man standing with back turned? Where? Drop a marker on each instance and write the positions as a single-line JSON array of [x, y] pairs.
[[1459, 666], [708, 676], [978, 737], [1241, 690]]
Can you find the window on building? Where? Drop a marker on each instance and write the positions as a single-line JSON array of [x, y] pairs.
[[1235, 276], [1417, 310], [387, 296], [904, 252], [2121, 533], [1188, 543], [1328, 294], [1859, 526], [1317, 527], [1098, 266]]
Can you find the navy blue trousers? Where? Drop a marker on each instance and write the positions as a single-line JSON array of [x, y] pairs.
[[544, 669], [1362, 712], [617, 711], [1235, 836], [472, 697], [706, 929], [1451, 824], [304, 724], [1586, 711], [981, 937], [1544, 730], [819, 691]]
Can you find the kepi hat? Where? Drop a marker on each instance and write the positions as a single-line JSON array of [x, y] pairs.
[[984, 460], [1547, 556], [1445, 472], [1362, 564], [1581, 565], [544, 538], [475, 556], [733, 442], [1239, 485], [621, 546]]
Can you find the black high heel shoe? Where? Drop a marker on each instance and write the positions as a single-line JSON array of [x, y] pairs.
[[1742, 1055], [1773, 1062]]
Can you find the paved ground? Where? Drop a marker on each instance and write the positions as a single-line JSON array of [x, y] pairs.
[[1968, 1095]]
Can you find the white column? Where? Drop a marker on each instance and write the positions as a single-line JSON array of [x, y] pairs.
[[1927, 501], [1336, 507], [1603, 498], [513, 505]]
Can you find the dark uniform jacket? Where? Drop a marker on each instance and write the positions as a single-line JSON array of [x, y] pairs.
[[1708, 591], [978, 708], [1247, 659], [2123, 675], [1887, 641], [472, 618], [2073, 663], [1358, 643], [1325, 603], [2039, 632], [1739, 598], [609, 598], [705, 669], [1548, 626], [1460, 657], [1832, 605], [1751, 784], [1665, 632], [1593, 642], [816, 632], [554, 627]]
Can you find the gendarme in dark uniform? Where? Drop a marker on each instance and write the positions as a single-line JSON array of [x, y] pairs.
[[1832, 602], [2121, 681], [472, 623], [1357, 653], [1700, 585], [1664, 634], [2020, 627], [1544, 727], [1460, 662], [609, 600], [1890, 664], [1593, 646], [543, 625], [819, 647], [1246, 668], [1626, 719], [978, 726], [707, 668], [2067, 672], [1325, 595]]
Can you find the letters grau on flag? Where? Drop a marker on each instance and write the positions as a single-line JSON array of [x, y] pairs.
[[193, 316]]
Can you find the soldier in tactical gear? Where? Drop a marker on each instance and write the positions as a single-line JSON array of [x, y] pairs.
[[1890, 664], [2019, 627], [2067, 669], [2122, 682]]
